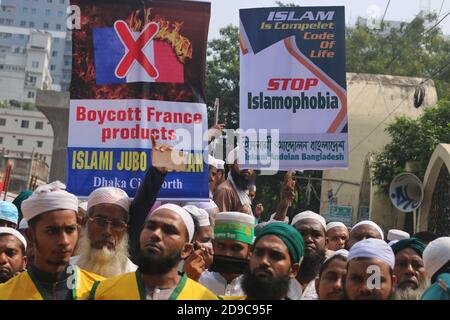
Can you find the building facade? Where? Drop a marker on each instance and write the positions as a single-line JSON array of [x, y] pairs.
[[22, 73], [25, 134], [18, 18]]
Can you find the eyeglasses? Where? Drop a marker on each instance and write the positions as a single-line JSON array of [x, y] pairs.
[[117, 225]]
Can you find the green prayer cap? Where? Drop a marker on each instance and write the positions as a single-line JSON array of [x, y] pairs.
[[412, 243], [236, 226], [288, 234]]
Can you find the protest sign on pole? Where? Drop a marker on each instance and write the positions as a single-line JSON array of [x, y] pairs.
[[293, 104], [138, 71]]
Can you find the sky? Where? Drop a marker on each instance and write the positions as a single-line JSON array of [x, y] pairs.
[[225, 12]]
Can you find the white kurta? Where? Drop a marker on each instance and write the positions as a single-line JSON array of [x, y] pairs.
[[310, 291]]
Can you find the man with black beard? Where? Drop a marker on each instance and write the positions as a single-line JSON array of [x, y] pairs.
[[275, 261], [164, 242], [312, 228], [232, 194], [12, 253]]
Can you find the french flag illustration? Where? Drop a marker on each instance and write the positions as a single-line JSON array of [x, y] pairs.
[[124, 56]]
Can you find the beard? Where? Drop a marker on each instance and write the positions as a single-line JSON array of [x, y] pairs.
[[150, 263], [242, 181], [411, 294], [258, 288], [104, 262], [5, 276], [310, 266]]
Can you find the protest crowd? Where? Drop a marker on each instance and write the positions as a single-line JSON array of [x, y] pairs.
[[53, 246], [138, 74]]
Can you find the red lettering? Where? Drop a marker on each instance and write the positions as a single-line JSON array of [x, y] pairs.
[[81, 113], [198, 118], [295, 84], [273, 84]]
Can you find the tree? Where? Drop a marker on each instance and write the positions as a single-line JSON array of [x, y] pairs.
[[411, 50], [222, 76], [412, 140]]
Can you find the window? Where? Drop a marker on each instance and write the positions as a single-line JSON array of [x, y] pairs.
[[33, 11], [2, 121], [49, 1], [23, 23], [52, 67], [40, 144], [56, 40], [61, 1], [60, 13], [35, 64], [47, 12], [39, 125], [24, 10], [17, 50], [54, 53], [67, 62], [25, 123], [20, 142], [1, 140], [30, 95], [21, 36], [31, 24], [45, 25], [58, 26]]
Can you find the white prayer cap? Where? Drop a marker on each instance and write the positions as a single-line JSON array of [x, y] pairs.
[[198, 214], [23, 224], [372, 248], [109, 195], [233, 155], [395, 234], [206, 205], [286, 218], [369, 223], [49, 197], [309, 215], [220, 164], [340, 252], [236, 217], [83, 205], [216, 163], [14, 232], [184, 215], [436, 255], [335, 224]]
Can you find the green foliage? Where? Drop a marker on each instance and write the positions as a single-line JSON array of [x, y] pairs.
[[412, 140], [411, 50], [222, 76]]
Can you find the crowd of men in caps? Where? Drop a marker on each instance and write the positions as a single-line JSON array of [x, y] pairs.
[[52, 246]]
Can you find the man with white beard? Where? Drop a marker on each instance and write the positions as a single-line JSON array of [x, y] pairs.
[[103, 243]]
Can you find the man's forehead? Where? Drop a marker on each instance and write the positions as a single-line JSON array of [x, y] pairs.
[[407, 253], [364, 229], [166, 216], [58, 217], [230, 242], [9, 240], [108, 209], [309, 224], [336, 265], [362, 264], [338, 230], [271, 242]]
